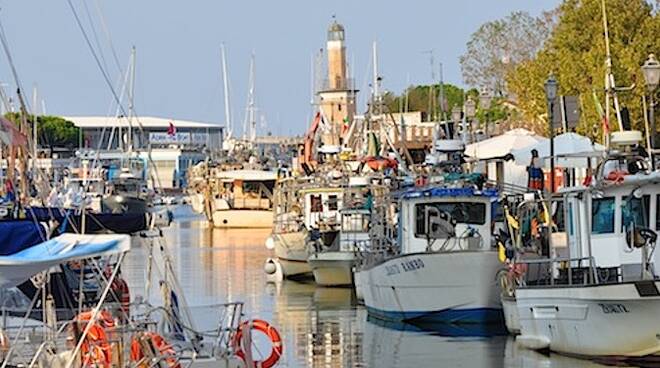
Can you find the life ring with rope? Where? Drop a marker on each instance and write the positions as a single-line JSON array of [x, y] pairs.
[[156, 345], [265, 328], [96, 350]]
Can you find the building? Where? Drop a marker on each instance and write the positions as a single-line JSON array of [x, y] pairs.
[[175, 144], [142, 131], [337, 93]]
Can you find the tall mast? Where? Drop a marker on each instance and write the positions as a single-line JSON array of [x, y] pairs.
[[250, 123], [131, 102], [610, 85], [376, 96], [225, 81], [35, 113]]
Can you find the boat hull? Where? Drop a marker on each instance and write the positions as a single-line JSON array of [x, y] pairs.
[[453, 287], [242, 219], [597, 320], [332, 268], [291, 252]]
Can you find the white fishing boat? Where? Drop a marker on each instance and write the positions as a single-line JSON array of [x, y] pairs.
[[243, 199], [289, 235], [607, 281], [445, 269]]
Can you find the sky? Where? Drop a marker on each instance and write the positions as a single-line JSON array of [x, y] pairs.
[[178, 69]]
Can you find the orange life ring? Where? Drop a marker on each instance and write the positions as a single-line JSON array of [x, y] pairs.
[[96, 349], [268, 330], [159, 345]]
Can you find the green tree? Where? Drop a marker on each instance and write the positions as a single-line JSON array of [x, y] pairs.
[[575, 54], [52, 131]]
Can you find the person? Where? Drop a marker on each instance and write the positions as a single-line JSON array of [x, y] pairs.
[[534, 172]]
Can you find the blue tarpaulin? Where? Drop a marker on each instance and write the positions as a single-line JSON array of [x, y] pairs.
[[16, 236]]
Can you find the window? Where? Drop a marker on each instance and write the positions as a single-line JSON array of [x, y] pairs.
[[472, 213], [635, 210], [570, 219], [333, 204], [602, 213], [316, 203]]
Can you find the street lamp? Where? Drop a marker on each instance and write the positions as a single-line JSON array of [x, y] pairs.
[[470, 113], [651, 71], [485, 100], [456, 114], [551, 86]]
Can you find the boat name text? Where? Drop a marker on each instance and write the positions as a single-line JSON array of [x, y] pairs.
[[407, 266], [613, 308]]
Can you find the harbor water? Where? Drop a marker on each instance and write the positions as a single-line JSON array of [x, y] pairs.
[[320, 326]]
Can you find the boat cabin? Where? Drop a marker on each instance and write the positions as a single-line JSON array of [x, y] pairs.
[[245, 189], [447, 219], [609, 223]]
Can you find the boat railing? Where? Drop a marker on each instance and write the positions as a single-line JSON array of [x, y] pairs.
[[549, 272]]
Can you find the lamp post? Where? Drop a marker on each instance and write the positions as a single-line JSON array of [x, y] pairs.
[[651, 71], [470, 113], [551, 86], [456, 113], [485, 99]]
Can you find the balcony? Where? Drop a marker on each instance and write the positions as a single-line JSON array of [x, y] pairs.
[[347, 84]]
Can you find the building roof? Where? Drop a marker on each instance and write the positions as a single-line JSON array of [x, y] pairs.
[[145, 121]]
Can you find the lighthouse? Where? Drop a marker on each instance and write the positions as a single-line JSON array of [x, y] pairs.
[[337, 94]]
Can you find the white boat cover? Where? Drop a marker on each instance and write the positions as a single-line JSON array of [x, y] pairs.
[[19, 267], [503, 144], [568, 149], [247, 175]]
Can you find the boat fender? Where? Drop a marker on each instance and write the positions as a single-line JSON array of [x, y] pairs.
[[156, 346], [268, 330]]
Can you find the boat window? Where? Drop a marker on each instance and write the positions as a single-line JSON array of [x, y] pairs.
[[462, 212], [602, 213], [333, 204], [635, 210], [316, 203]]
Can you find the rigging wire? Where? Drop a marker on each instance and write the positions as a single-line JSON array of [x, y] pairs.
[[106, 78], [94, 33]]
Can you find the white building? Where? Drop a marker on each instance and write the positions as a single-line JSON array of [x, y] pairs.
[[175, 144]]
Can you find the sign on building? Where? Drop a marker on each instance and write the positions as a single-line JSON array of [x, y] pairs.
[[164, 138]]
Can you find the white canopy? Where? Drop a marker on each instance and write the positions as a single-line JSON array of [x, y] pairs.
[[18, 267], [571, 150], [503, 144]]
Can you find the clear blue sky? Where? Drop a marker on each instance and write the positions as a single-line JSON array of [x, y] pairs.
[[178, 48]]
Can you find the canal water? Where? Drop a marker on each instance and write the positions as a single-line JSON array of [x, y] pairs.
[[321, 327]]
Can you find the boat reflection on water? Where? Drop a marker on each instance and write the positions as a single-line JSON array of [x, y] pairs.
[[445, 329], [322, 325], [517, 356]]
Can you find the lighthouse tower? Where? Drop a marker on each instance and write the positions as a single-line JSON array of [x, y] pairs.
[[337, 93]]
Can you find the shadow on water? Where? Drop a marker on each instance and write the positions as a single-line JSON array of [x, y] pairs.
[[321, 327]]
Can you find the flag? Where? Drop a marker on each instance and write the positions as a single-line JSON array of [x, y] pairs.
[[10, 135], [171, 130]]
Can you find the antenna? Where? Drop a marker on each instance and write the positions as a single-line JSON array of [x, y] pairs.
[[431, 111], [376, 92], [225, 81]]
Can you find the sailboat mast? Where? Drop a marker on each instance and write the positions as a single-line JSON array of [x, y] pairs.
[[131, 101], [225, 81], [35, 103], [250, 122], [610, 85]]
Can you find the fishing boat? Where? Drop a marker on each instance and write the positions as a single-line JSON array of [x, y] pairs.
[[338, 219], [243, 199], [443, 265], [289, 235], [606, 280]]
